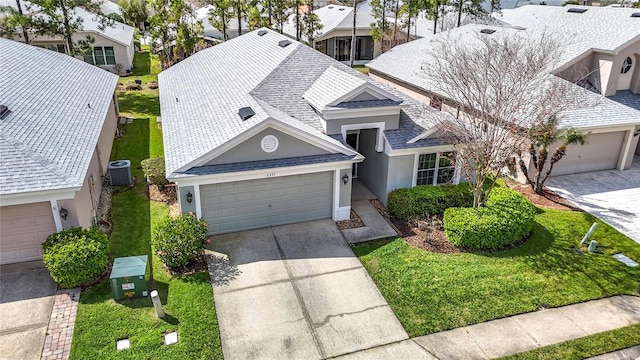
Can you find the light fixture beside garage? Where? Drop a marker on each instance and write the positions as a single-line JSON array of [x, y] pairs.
[[345, 179], [189, 197], [269, 143], [63, 213]]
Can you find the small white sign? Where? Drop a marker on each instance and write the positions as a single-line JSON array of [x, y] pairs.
[[171, 338], [128, 286], [123, 344]]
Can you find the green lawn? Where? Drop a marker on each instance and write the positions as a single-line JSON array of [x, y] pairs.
[[431, 292], [585, 347], [187, 300], [363, 69]]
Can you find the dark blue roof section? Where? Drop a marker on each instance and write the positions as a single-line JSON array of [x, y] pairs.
[[265, 164], [626, 97]]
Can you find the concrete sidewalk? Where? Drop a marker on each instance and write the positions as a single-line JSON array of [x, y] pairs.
[[525, 332], [629, 353]]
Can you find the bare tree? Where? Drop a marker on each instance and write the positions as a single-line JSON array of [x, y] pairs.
[[352, 52], [498, 85]]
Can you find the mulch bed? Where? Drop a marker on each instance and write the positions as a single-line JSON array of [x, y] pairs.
[[353, 222], [426, 234], [548, 200], [166, 195], [195, 266]]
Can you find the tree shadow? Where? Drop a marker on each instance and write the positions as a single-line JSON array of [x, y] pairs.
[[221, 271]]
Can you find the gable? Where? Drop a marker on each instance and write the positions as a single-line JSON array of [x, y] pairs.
[[251, 149], [364, 96]]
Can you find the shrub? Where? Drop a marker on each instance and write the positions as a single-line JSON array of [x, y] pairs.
[[506, 219], [180, 240], [425, 200], [75, 256], [154, 170]]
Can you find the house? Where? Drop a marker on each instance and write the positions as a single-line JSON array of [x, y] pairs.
[[211, 33], [58, 118], [334, 39], [262, 130], [604, 43], [113, 47]]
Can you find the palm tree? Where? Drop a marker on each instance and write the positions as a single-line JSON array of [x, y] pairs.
[[541, 138]]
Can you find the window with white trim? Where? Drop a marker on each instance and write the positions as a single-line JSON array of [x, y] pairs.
[[435, 169], [100, 55]]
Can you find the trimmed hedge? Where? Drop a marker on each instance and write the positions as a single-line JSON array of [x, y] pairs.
[[424, 200], [180, 240], [75, 256], [506, 219]]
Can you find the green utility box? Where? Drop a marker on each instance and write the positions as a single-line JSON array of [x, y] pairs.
[[129, 277]]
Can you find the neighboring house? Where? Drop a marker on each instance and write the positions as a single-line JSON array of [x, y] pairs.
[[58, 118], [213, 34], [602, 40], [261, 130], [113, 47], [335, 37]]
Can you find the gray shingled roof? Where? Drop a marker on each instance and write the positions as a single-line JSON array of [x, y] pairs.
[[201, 95], [333, 17], [331, 86], [58, 107], [406, 63]]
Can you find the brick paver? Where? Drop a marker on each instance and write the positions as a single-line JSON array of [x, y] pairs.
[[57, 344]]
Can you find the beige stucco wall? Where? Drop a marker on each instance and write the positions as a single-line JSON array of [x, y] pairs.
[[82, 207]]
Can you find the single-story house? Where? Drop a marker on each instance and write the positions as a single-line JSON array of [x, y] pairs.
[[58, 118], [113, 47], [605, 43], [334, 39], [211, 33], [262, 130]]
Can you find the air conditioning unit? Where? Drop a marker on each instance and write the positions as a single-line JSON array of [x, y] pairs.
[[120, 172]]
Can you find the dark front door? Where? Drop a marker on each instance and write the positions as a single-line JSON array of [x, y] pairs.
[[353, 141]]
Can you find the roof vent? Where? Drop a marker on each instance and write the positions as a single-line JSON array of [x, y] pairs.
[[330, 7], [246, 113], [262, 32], [284, 43], [3, 111], [341, 9], [636, 14], [487, 31], [577, 10]]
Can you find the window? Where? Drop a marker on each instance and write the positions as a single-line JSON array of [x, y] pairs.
[[434, 169], [101, 55], [626, 66], [53, 47]]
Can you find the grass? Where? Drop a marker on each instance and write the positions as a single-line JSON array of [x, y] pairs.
[[187, 300], [585, 347], [431, 292], [363, 69]]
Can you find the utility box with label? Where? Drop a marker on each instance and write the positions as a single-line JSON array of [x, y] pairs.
[[129, 277]]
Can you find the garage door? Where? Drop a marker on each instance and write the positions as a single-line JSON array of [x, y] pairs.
[[253, 204], [601, 153], [23, 228]]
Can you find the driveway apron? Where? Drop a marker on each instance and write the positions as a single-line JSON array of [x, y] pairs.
[[296, 292]]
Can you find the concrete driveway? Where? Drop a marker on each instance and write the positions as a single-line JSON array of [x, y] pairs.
[[26, 298], [612, 195], [296, 292]]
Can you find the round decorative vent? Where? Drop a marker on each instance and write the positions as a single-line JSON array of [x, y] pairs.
[[269, 143]]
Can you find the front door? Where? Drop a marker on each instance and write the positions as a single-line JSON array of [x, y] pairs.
[[353, 140]]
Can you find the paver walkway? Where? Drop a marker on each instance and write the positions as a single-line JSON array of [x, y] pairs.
[[525, 332], [612, 195], [57, 344]]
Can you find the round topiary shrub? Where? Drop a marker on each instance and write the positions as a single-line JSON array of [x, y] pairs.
[[75, 256], [180, 240], [506, 219]]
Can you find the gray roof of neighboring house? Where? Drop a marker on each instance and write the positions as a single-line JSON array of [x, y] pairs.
[[50, 135], [406, 62], [119, 32], [598, 28], [200, 96], [334, 17], [202, 14]]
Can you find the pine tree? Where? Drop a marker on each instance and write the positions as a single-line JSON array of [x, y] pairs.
[[219, 16]]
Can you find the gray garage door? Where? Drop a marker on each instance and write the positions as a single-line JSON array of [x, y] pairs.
[[253, 204], [601, 153]]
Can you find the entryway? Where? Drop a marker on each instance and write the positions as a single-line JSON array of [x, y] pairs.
[[296, 292]]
